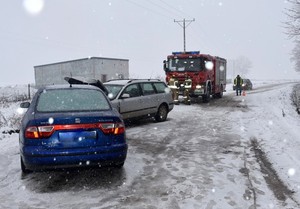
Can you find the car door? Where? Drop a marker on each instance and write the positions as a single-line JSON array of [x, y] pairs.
[[130, 102], [150, 100]]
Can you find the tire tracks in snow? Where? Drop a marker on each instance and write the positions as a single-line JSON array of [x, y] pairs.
[[246, 171], [276, 185]]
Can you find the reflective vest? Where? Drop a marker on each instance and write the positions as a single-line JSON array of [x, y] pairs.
[[238, 81], [173, 83], [188, 83]]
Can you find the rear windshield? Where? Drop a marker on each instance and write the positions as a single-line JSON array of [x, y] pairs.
[[113, 90], [64, 100]]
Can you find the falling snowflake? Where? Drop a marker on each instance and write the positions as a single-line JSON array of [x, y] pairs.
[[209, 65], [291, 172], [33, 7], [20, 110], [50, 120]]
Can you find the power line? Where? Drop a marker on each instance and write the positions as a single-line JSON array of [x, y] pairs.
[[174, 8], [139, 5], [167, 9], [184, 26]]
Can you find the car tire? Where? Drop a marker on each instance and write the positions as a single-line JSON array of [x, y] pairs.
[[119, 165], [23, 167], [162, 113]]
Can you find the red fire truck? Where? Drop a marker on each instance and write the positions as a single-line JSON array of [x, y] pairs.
[[208, 73]]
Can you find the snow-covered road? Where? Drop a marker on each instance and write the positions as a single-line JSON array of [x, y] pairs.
[[235, 152]]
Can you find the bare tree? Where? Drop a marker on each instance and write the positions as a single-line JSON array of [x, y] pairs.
[[242, 65], [292, 26]]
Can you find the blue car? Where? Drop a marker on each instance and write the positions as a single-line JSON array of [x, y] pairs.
[[71, 126]]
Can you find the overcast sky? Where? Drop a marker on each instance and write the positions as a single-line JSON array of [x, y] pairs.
[[142, 31]]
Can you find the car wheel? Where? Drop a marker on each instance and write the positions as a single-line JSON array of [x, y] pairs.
[[23, 167], [161, 114], [119, 165]]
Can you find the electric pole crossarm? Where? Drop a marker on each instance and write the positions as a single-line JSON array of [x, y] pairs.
[[184, 26]]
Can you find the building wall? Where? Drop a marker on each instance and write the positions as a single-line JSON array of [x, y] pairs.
[[95, 67]]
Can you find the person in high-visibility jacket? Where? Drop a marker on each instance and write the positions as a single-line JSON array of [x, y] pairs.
[[238, 83], [173, 85], [187, 89]]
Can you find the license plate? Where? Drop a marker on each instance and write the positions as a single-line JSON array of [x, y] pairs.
[[77, 136]]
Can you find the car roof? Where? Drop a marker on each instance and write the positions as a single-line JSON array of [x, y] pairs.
[[127, 81]]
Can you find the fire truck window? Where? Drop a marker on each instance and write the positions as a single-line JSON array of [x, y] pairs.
[[186, 64]]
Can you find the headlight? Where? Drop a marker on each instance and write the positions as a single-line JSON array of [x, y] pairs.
[[198, 87]]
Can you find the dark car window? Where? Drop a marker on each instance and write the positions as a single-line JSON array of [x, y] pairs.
[[133, 90], [160, 87], [63, 100], [147, 88]]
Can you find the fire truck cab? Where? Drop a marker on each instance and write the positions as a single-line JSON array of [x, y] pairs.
[[208, 73]]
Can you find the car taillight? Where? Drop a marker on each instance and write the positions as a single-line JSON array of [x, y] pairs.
[[39, 132], [34, 132], [112, 128]]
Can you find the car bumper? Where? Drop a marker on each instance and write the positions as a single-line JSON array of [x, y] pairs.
[[37, 158]]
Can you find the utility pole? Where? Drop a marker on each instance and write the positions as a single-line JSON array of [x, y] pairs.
[[182, 23]]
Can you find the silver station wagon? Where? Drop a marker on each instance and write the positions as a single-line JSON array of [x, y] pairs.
[[138, 98]]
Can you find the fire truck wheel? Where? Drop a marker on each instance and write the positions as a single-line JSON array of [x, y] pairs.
[[206, 97], [220, 94], [162, 113]]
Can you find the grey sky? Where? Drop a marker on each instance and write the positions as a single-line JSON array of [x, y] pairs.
[[144, 32]]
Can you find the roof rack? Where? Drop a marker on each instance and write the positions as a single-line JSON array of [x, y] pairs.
[[134, 79]]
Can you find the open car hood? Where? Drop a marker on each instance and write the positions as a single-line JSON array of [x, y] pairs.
[[88, 81]]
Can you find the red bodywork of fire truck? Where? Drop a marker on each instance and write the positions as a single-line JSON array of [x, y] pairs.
[[208, 73]]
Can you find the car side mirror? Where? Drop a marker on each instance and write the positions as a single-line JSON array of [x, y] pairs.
[[165, 66], [25, 104], [125, 96]]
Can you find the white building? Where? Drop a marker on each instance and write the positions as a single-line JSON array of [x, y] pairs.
[[99, 68]]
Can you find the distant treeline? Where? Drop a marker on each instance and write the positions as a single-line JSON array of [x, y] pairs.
[[296, 97]]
